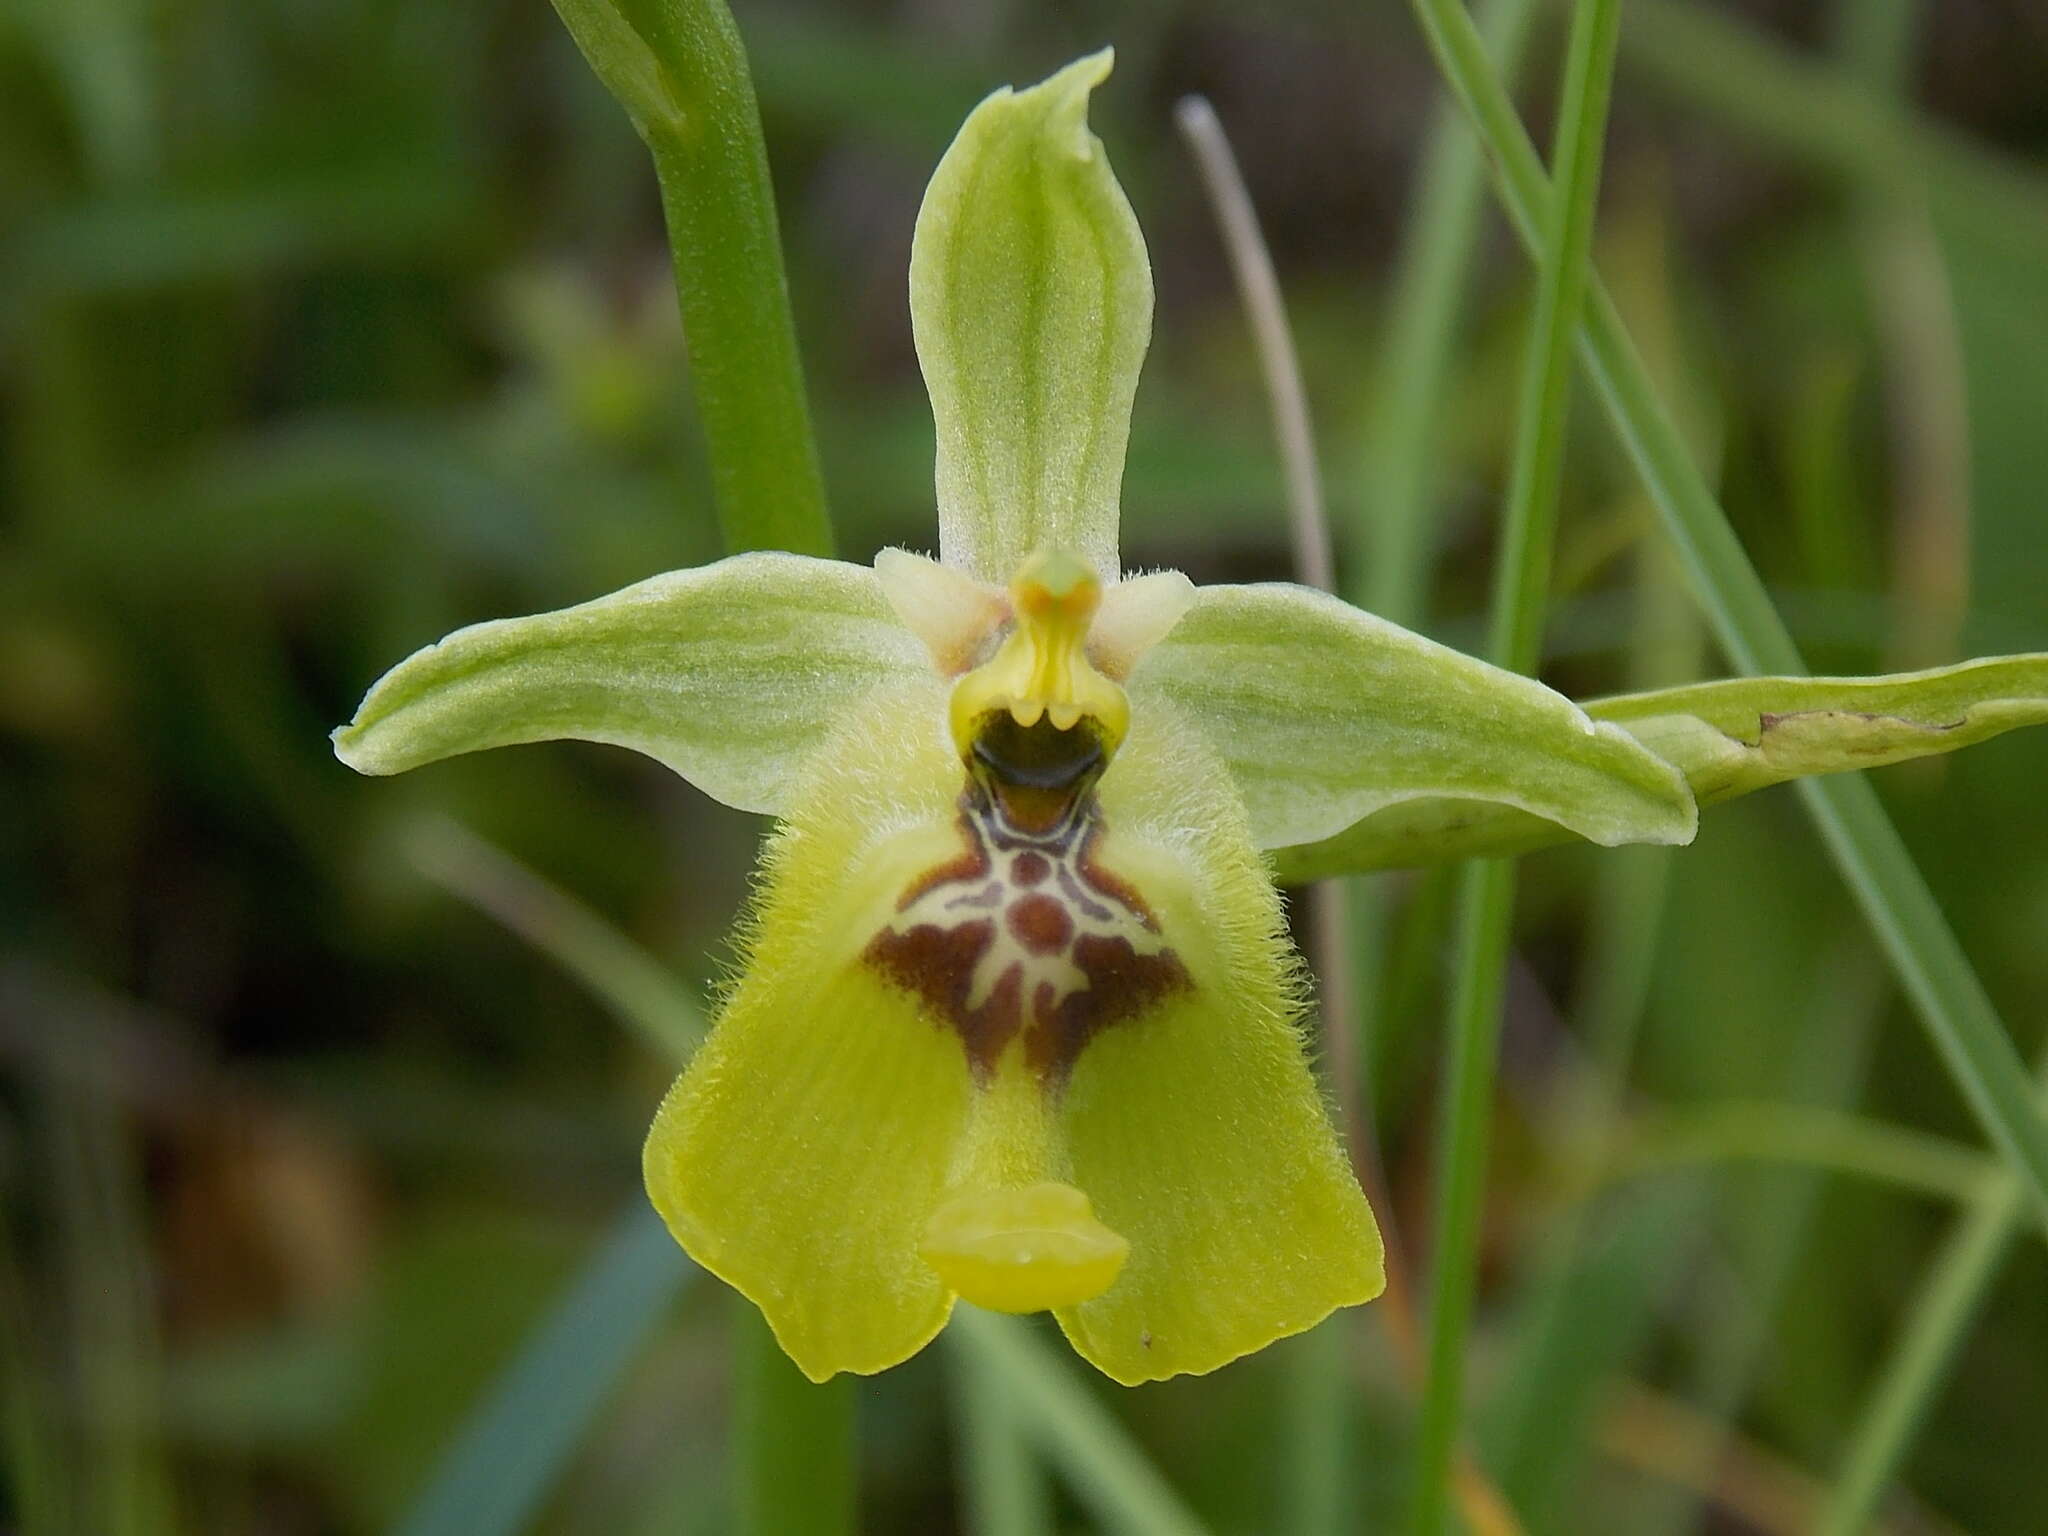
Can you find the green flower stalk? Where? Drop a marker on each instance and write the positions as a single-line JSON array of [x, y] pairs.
[[1017, 1019]]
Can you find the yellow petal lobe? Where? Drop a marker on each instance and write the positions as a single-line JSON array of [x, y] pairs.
[[1023, 1250], [800, 1156], [1198, 1131]]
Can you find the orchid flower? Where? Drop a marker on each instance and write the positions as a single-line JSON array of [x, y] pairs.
[[1017, 1020]]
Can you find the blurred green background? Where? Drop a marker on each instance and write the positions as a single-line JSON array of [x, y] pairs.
[[327, 326]]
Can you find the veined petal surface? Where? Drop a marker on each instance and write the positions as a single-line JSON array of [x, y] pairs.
[[1031, 306], [732, 674], [1728, 738], [1325, 715], [1198, 1130]]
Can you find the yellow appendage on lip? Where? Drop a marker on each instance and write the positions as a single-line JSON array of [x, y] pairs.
[[1042, 669], [1022, 1250]]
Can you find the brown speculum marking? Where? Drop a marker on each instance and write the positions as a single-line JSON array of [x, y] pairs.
[[1022, 933]]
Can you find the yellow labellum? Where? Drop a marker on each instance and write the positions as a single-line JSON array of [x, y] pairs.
[[1047, 1066]]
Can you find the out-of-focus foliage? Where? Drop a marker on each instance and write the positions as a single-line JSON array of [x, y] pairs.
[[326, 328]]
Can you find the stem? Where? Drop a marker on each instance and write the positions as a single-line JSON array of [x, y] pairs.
[[1895, 900], [793, 1440], [1396, 494], [680, 70], [1539, 1440], [1258, 289], [1522, 578]]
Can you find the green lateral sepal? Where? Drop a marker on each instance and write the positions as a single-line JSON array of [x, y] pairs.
[[732, 674]]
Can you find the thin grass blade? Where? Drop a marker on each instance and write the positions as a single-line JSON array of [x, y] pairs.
[[1521, 590], [498, 1472], [1867, 850], [1072, 1429]]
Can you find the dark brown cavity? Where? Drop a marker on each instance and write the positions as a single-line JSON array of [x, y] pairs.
[[1037, 775]]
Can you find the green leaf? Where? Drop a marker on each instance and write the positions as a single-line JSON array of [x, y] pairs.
[[1327, 716], [730, 673], [1727, 738], [1031, 303]]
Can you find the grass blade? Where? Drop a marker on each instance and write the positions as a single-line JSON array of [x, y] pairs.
[[504, 1461], [1521, 589], [1401, 438], [1913, 1375], [1071, 1428], [1004, 1492], [1485, 913], [1820, 116], [1895, 900], [793, 1440], [1808, 1136], [645, 995], [681, 72]]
